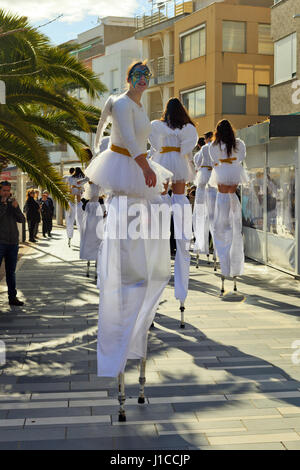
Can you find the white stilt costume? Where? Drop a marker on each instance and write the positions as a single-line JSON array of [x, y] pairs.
[[227, 232], [204, 207], [75, 208], [133, 270], [92, 228], [172, 148]]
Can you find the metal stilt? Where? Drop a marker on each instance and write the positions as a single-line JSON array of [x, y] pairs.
[[88, 269], [96, 274], [234, 284], [222, 288], [69, 242], [121, 397], [142, 380], [182, 309], [197, 260], [215, 260], [208, 262]]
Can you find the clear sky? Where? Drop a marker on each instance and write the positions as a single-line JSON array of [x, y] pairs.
[[78, 16]]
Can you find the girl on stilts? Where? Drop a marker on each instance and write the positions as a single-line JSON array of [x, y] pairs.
[[75, 182], [227, 154], [173, 138], [133, 270]]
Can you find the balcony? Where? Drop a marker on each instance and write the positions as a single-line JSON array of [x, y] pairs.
[[163, 11], [162, 70]]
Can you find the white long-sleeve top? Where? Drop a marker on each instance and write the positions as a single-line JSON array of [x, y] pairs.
[[232, 172], [115, 172], [203, 165], [75, 184], [185, 139]]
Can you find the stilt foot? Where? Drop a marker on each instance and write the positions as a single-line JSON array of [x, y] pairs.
[[141, 400], [182, 325], [122, 417]]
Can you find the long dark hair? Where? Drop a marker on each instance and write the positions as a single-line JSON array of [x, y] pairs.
[[78, 173], [175, 114], [225, 133]]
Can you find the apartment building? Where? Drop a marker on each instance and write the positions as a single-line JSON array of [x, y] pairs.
[[285, 92], [217, 56]]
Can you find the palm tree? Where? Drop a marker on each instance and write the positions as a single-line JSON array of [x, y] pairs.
[[39, 107]]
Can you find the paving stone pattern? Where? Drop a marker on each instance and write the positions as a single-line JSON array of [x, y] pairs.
[[226, 381]]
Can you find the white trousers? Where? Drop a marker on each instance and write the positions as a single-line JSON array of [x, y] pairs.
[[227, 234], [91, 231], [182, 217], [74, 212], [133, 274]]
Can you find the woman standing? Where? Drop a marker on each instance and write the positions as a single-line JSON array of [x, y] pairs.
[[133, 270], [173, 138], [227, 154], [32, 210]]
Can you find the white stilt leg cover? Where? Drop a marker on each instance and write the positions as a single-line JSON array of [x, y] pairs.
[[201, 221], [228, 234], [73, 213], [133, 274], [182, 217], [91, 233]]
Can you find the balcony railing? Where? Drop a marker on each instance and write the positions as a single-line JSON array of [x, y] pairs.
[[163, 11], [162, 70]]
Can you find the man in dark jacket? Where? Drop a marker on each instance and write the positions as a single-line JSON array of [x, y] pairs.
[[47, 209], [10, 214]]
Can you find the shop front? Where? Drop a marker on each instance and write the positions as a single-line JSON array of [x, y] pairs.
[[270, 205]]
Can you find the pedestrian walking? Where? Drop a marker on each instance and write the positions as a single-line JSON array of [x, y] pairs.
[[46, 205], [227, 154], [32, 211], [133, 270], [173, 138], [10, 214], [37, 199]]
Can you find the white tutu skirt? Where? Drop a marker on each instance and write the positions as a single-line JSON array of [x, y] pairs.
[[120, 175], [229, 174], [202, 177], [181, 167]]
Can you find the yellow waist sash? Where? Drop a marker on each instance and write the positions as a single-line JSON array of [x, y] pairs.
[[226, 160], [169, 149], [206, 166], [123, 151]]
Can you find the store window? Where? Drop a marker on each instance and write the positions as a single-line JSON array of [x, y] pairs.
[[234, 36], [253, 199], [234, 98], [265, 42], [193, 44], [281, 201], [194, 101], [285, 57]]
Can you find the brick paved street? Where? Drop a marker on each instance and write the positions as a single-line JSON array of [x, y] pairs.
[[225, 382]]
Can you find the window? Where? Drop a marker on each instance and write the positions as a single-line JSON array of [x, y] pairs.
[[193, 44], [194, 101], [264, 100], [234, 36], [234, 98], [286, 58], [265, 43]]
